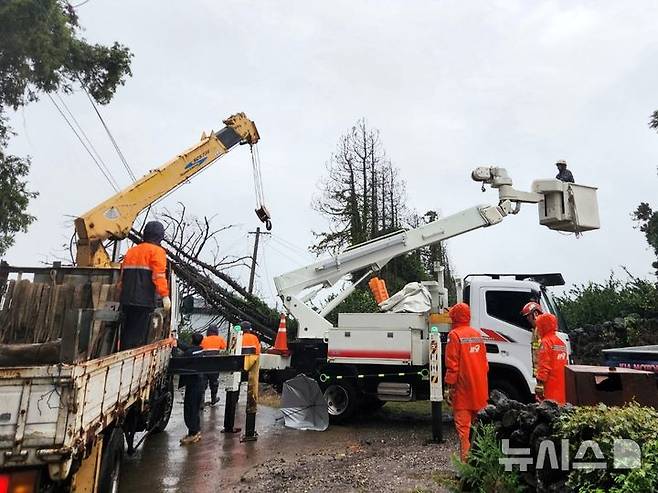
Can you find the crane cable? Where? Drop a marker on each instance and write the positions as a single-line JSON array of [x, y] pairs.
[[258, 181], [261, 211], [107, 174]]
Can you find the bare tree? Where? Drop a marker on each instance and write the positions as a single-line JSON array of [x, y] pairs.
[[361, 194]]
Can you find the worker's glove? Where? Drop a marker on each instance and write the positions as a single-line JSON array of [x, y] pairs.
[[539, 391], [166, 303], [447, 394]]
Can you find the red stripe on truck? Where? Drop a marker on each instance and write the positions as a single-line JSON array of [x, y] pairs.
[[494, 336], [352, 353]]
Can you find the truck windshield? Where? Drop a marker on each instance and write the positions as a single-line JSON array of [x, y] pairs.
[[553, 308]]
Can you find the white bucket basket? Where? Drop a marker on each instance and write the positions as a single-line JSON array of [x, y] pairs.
[[567, 206]]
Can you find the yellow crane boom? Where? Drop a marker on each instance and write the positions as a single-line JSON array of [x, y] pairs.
[[113, 218]]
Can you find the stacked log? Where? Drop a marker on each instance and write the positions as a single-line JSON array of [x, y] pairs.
[[526, 426]]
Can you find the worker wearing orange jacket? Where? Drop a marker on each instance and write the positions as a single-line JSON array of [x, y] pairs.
[[467, 389], [143, 275], [212, 342], [250, 341], [552, 359]]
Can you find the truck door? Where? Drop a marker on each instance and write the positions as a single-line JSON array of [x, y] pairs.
[[499, 317]]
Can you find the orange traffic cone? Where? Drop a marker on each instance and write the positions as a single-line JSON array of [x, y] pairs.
[[281, 342]]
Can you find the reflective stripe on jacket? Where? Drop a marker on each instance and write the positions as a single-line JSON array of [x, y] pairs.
[[143, 272], [213, 342], [466, 368]]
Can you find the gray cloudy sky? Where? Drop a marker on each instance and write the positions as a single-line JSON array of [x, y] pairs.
[[451, 85]]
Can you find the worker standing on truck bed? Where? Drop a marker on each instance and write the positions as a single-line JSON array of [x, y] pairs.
[[552, 360], [531, 311], [467, 389], [194, 390], [212, 342], [143, 274]]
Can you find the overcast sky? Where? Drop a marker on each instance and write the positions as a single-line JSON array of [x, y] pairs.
[[451, 85]]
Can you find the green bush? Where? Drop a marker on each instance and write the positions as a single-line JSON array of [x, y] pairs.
[[359, 301], [483, 472], [595, 303], [603, 425]]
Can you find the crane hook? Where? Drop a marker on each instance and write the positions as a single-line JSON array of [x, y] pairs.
[[264, 216]]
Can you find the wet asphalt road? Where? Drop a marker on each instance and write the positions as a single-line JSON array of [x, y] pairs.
[[384, 452], [219, 460]]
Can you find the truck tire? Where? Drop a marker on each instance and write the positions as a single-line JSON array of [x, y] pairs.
[[110, 471], [342, 401], [164, 406], [510, 390]]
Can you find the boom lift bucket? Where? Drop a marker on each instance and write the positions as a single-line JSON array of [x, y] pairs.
[[567, 206]]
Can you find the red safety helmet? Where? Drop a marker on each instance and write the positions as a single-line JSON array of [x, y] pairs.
[[530, 307]]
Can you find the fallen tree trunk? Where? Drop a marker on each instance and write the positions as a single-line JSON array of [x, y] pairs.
[[45, 353]]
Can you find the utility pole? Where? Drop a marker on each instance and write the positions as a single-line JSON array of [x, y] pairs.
[[252, 275]]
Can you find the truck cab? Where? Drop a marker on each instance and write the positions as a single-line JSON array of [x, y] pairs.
[[496, 301]]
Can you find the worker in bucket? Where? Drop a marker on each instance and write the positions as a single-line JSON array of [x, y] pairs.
[[467, 389], [143, 275], [212, 342], [531, 311], [250, 341], [194, 390], [552, 359], [563, 173]]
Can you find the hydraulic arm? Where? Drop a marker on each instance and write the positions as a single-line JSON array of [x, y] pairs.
[[301, 285], [113, 219]]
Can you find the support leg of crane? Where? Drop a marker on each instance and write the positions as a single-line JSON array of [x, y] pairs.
[[437, 422], [250, 434], [232, 397]]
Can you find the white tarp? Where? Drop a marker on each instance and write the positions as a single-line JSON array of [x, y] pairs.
[[413, 298]]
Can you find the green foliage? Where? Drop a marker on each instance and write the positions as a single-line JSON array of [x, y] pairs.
[[603, 425], [359, 301], [653, 120], [42, 51], [648, 221], [483, 472], [595, 303], [14, 197]]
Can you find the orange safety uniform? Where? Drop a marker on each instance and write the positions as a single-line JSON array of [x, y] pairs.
[[250, 341], [143, 273], [214, 342], [466, 370], [552, 359]]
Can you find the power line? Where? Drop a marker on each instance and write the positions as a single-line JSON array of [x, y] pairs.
[[109, 134], [116, 189], [80, 4], [91, 145]]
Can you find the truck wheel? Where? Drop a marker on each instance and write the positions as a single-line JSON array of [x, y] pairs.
[[508, 389], [342, 402], [165, 405], [110, 472]]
